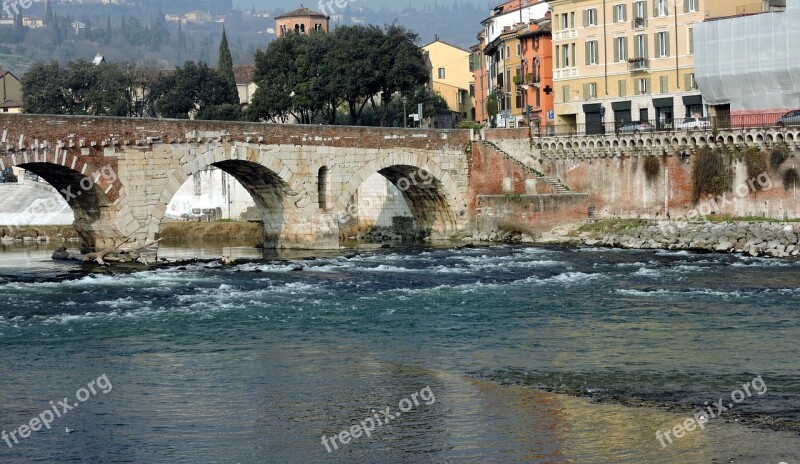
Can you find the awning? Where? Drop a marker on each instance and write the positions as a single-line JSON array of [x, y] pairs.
[[662, 102], [621, 106], [692, 100], [592, 108]]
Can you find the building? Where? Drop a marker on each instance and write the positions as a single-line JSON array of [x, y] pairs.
[[478, 89], [302, 21], [500, 72], [10, 93], [537, 74], [32, 22], [451, 76], [617, 61], [747, 65], [245, 83]]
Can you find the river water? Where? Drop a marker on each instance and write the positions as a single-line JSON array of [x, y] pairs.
[[509, 353]]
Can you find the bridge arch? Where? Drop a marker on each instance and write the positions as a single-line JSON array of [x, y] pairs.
[[432, 196], [90, 190], [274, 188]]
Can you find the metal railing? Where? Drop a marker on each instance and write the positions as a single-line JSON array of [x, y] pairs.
[[639, 23], [736, 122], [638, 64]]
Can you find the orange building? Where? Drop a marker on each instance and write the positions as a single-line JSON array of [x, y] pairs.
[[537, 78], [301, 21], [478, 89]]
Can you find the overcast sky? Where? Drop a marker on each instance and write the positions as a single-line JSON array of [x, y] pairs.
[[372, 4]]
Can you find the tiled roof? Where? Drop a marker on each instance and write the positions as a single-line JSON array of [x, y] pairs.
[[302, 11], [244, 73]]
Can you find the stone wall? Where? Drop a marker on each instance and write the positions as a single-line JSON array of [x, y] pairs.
[[531, 214]]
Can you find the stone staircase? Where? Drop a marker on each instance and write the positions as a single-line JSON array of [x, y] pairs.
[[557, 186]]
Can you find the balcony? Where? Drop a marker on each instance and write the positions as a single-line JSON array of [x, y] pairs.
[[638, 65], [565, 34], [639, 23], [565, 73]]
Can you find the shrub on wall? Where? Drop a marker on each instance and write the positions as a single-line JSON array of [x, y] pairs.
[[777, 156], [756, 162], [790, 178], [652, 168], [711, 174]]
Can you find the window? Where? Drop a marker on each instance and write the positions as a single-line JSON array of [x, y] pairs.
[[640, 10], [663, 83], [590, 17], [691, 83], [621, 49], [508, 51], [622, 88], [564, 22], [660, 8], [592, 55], [471, 89], [690, 6], [590, 90], [641, 86], [322, 187], [441, 73], [640, 46], [565, 93], [519, 49], [224, 176], [558, 56], [572, 20], [620, 13], [690, 32], [565, 56], [662, 44]]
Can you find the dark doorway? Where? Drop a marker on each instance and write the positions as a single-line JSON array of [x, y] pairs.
[[594, 119]]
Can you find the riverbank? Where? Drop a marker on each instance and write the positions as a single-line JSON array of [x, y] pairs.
[[38, 233], [751, 237], [219, 230]]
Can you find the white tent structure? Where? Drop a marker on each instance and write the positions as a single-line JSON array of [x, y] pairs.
[[751, 63]]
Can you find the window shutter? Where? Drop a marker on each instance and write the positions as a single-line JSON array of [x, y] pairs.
[[636, 87], [588, 59], [558, 56], [624, 48], [687, 81], [574, 61], [666, 38], [585, 91], [621, 90], [648, 85], [686, 6], [655, 8], [616, 16], [624, 12], [585, 18], [644, 9], [616, 50], [646, 50]]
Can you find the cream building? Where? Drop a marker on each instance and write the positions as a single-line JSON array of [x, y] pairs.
[[617, 61], [451, 75]]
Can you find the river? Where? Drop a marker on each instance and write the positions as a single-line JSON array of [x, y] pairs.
[[490, 354]]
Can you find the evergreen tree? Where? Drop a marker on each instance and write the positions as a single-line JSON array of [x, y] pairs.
[[48, 13], [108, 29], [225, 63]]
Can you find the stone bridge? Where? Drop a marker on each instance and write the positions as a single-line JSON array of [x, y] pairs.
[[119, 174]]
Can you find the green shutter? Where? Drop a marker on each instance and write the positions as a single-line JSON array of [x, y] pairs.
[[585, 91], [616, 18], [558, 56], [624, 12], [655, 8], [646, 47], [622, 88], [685, 6], [625, 48], [649, 85], [687, 81], [616, 51], [585, 18], [588, 61], [666, 37]]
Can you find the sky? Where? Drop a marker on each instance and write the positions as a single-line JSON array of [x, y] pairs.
[[372, 4]]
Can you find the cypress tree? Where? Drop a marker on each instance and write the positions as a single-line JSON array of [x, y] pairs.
[[225, 63]]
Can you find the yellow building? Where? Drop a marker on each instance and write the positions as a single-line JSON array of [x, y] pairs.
[[617, 61], [451, 75], [506, 50], [10, 93]]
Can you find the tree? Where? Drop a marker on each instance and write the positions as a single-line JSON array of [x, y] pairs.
[[402, 67], [351, 66], [225, 65], [492, 109], [42, 89], [190, 90], [48, 13], [108, 30]]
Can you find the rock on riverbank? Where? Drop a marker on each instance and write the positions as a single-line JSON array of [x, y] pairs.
[[752, 238]]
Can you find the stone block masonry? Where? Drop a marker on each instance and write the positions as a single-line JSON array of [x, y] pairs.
[[281, 166]]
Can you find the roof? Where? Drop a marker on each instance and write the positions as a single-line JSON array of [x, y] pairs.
[[11, 104], [7, 73], [302, 11], [443, 42], [244, 73]]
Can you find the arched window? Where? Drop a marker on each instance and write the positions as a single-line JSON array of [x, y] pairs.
[[322, 187], [297, 28], [302, 28]]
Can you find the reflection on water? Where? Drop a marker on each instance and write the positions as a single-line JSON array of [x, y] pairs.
[[256, 362]]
